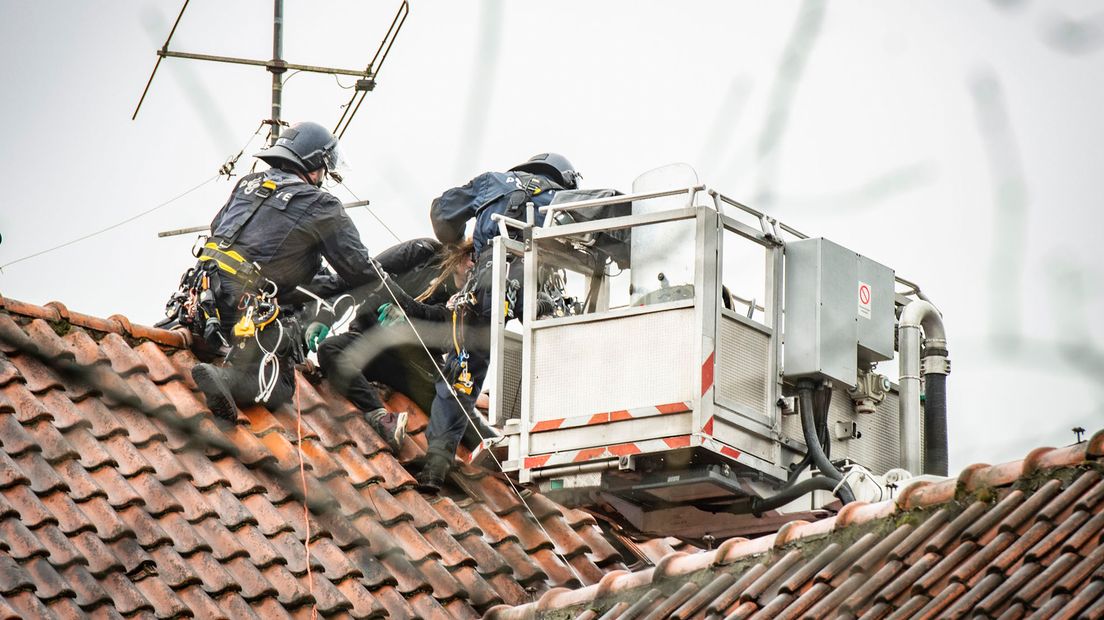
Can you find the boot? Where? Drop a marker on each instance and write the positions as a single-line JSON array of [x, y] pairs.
[[480, 433], [220, 400], [390, 426], [433, 474]]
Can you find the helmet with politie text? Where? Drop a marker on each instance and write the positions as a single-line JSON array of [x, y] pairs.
[[553, 166], [306, 147]]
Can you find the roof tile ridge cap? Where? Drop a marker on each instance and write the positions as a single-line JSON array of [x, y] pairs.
[[177, 338], [1095, 447], [25, 308], [610, 583]]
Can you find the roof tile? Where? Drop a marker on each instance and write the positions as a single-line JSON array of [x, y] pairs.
[[101, 560], [19, 540], [269, 520], [136, 562], [62, 552], [173, 569], [124, 360], [27, 605], [147, 530], [54, 447], [186, 540], [14, 438], [124, 596], [119, 492], [85, 587], [66, 415], [38, 377], [364, 605], [289, 591], [166, 604], [252, 583], [199, 602], [160, 368], [92, 453], [28, 506], [221, 578], [44, 480]]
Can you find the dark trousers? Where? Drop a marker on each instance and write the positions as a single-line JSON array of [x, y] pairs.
[[449, 419], [245, 362]]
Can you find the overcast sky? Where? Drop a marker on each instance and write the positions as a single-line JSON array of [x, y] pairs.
[[957, 142]]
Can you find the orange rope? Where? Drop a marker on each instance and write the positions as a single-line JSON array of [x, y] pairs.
[[306, 509]]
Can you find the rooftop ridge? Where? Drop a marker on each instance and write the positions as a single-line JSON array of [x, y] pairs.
[[976, 482], [56, 312]]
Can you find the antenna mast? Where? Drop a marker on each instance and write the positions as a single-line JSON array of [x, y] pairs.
[[366, 79], [277, 68]]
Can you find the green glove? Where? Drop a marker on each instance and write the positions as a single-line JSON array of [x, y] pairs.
[[316, 332], [389, 315]]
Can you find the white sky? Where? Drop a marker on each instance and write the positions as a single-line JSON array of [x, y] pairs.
[[882, 151]]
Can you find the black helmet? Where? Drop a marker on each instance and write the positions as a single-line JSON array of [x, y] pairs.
[[306, 146], [551, 165]]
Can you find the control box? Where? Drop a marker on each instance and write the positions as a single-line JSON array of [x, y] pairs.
[[838, 311]]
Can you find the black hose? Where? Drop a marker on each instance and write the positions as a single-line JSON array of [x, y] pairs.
[[789, 494], [935, 424], [813, 445]]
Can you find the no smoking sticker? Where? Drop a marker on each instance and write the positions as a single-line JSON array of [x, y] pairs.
[[864, 300]]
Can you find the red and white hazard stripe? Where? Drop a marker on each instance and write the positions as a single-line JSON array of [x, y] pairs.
[[569, 457], [610, 416]]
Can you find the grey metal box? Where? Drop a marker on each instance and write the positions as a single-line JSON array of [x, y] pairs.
[[876, 316], [821, 329]]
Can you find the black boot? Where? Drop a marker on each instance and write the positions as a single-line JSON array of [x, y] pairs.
[[390, 426], [220, 400], [433, 474]]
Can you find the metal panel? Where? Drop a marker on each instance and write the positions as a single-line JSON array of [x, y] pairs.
[[876, 320], [623, 363], [879, 447], [821, 330], [742, 369], [510, 390]]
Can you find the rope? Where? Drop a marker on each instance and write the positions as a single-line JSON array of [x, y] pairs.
[[268, 373], [452, 391], [111, 227], [306, 506]]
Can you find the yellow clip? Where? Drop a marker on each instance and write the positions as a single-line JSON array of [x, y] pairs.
[[245, 327], [536, 191], [269, 184]]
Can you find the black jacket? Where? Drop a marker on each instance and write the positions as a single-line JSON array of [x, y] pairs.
[[288, 236]]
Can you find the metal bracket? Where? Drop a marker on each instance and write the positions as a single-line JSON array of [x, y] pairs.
[[935, 365]]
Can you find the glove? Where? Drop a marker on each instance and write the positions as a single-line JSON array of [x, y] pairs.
[[316, 333], [389, 315]]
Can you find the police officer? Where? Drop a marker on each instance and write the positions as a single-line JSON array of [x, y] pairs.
[[280, 224], [537, 181]]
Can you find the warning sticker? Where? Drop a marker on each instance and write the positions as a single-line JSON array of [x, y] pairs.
[[864, 300]]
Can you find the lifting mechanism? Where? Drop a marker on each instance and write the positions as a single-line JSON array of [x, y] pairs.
[[708, 370]]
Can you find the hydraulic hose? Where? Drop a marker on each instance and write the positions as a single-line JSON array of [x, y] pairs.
[[813, 445], [935, 423], [790, 493]]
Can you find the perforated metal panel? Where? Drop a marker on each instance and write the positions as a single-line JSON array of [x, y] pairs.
[[879, 447], [742, 368], [621, 363], [511, 377]]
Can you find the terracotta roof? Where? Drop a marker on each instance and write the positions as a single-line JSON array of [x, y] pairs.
[[1023, 539], [121, 495]]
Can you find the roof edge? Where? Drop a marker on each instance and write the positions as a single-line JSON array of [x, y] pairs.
[[57, 312], [924, 495]]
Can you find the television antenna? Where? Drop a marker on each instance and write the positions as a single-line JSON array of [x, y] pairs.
[[277, 66]]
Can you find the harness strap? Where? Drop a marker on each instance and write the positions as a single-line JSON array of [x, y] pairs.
[[262, 193]]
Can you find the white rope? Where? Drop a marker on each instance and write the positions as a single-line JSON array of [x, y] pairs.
[[268, 373]]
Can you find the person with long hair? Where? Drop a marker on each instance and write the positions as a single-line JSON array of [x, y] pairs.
[[380, 347]]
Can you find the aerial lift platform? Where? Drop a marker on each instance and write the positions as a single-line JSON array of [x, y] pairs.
[[689, 332]]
